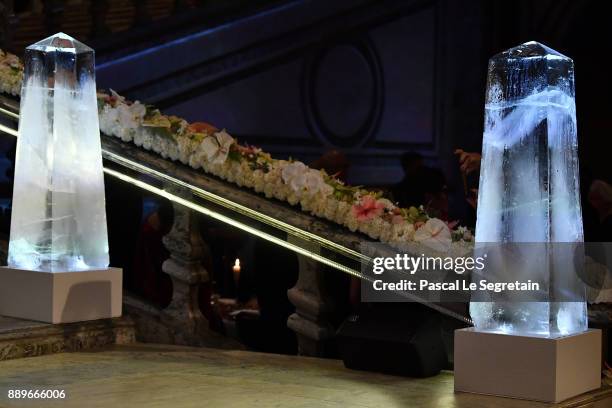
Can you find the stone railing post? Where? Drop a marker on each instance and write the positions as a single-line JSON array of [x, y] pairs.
[[8, 22], [313, 308], [185, 267]]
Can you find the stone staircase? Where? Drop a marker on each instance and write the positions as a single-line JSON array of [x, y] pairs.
[[141, 321]]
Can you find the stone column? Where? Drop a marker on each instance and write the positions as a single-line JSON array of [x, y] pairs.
[[185, 267], [314, 308]]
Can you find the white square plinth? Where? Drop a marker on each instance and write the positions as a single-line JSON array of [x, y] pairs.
[[534, 368], [61, 297]]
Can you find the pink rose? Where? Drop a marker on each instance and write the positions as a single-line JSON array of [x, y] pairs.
[[367, 208]]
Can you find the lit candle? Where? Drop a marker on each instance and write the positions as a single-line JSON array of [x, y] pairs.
[[236, 269]]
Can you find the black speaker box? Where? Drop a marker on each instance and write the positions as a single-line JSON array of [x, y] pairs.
[[393, 338]]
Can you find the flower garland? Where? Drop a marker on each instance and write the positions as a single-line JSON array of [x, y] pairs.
[[203, 146]]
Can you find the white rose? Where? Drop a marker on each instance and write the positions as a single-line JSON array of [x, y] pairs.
[[126, 117], [217, 147], [293, 174]]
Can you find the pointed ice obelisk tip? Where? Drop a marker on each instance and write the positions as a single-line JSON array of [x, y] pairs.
[[531, 49], [60, 42]]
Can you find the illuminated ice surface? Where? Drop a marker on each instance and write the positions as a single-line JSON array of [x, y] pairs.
[[58, 217], [529, 187]]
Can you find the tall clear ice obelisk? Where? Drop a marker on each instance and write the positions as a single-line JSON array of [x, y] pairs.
[[58, 250], [529, 217], [58, 219], [529, 191]]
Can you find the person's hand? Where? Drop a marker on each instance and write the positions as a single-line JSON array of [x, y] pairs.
[[468, 162]]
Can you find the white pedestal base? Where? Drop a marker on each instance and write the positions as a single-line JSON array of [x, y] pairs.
[[533, 368], [61, 297]]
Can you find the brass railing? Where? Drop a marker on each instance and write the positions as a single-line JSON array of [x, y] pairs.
[[318, 243]]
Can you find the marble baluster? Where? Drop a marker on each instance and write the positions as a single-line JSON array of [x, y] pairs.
[[185, 267], [314, 307]]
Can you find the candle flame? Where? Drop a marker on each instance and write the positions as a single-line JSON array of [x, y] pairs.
[[237, 263]]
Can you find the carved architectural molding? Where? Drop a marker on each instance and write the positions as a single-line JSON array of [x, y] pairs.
[[23, 338], [343, 93]]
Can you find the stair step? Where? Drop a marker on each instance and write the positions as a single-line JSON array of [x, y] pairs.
[[26, 338]]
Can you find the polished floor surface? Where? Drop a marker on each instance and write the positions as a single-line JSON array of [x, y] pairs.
[[169, 376]]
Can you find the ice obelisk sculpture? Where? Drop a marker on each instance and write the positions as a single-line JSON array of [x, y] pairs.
[[529, 190], [529, 213], [58, 220]]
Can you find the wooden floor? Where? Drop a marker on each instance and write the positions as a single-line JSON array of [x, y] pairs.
[[169, 376]]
